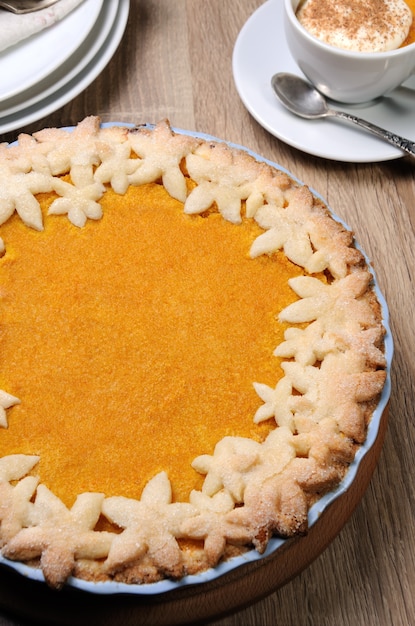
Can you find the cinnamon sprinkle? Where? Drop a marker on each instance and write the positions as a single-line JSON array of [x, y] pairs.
[[361, 25]]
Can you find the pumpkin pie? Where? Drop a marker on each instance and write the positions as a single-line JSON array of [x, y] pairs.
[[191, 352]]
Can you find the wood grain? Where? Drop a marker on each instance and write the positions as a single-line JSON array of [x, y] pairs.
[[175, 61]]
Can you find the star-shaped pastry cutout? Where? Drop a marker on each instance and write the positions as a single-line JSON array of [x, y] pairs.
[[161, 153], [232, 459], [276, 403], [116, 163], [17, 193], [210, 525], [319, 299], [219, 182], [79, 203], [16, 491], [335, 390], [274, 506], [151, 526], [76, 153], [59, 535]]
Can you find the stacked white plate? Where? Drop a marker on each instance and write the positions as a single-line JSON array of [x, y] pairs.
[[44, 72]]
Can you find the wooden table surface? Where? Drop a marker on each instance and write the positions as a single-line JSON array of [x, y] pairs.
[[174, 61]]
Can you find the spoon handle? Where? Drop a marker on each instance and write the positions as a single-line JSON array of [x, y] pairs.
[[396, 140]]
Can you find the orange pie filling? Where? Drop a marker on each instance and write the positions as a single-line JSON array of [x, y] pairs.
[[133, 343]]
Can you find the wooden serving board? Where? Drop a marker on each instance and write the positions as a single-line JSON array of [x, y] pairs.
[[32, 600]]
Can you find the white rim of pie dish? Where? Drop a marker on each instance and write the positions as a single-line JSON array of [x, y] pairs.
[[315, 511]]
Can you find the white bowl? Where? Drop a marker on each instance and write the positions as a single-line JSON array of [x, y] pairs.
[[343, 75]]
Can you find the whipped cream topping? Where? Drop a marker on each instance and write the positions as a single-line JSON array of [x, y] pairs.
[[357, 25]]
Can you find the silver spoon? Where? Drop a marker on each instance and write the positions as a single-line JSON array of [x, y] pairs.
[[301, 98]]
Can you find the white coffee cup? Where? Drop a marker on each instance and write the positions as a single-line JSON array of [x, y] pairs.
[[343, 75]]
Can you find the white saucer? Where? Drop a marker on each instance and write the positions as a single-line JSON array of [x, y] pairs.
[[112, 20], [261, 51], [31, 60]]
